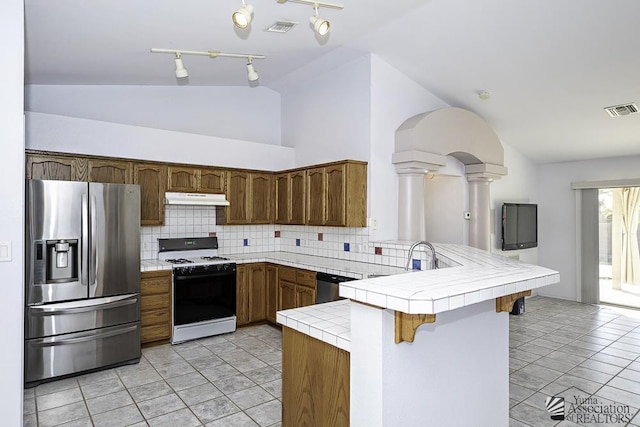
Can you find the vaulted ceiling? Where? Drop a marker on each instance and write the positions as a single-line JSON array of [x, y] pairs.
[[550, 67]]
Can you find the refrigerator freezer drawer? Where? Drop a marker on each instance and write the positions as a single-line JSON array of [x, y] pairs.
[[72, 353], [63, 318]]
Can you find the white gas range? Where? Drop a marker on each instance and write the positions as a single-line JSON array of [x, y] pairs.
[[204, 288]]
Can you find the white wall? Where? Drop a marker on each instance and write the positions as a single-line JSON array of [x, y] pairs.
[[82, 136], [394, 98], [556, 213], [243, 113], [519, 186], [327, 117], [12, 202]]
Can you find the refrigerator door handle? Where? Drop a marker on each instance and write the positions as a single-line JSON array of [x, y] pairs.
[[93, 260], [84, 306], [54, 341], [84, 267]]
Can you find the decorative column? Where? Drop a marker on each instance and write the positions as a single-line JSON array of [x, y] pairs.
[[412, 166], [480, 177]]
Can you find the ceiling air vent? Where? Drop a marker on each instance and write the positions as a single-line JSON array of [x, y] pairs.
[[622, 110], [281, 26]]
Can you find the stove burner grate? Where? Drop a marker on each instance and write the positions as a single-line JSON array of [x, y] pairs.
[[214, 258], [179, 261]]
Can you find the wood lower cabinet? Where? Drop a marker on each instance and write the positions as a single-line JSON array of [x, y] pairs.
[[296, 288], [152, 179], [271, 278], [315, 382], [251, 293], [155, 306]]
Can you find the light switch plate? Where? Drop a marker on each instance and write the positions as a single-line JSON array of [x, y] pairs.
[[5, 250]]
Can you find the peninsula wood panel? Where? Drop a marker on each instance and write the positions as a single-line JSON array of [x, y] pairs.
[[298, 196], [212, 180], [315, 382], [152, 179], [109, 171], [155, 306], [271, 297]]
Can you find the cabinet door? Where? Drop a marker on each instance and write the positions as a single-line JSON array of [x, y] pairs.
[[257, 292], [271, 277], [335, 195], [242, 296], [152, 179], [109, 171], [238, 196], [305, 296], [316, 188], [283, 199], [211, 180], [286, 295], [50, 167], [155, 306], [182, 179], [297, 197], [261, 198]]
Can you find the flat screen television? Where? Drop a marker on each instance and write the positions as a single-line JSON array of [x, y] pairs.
[[519, 226]]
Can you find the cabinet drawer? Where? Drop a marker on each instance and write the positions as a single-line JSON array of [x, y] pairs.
[[287, 273], [155, 317], [306, 278], [155, 286], [155, 333], [154, 302]]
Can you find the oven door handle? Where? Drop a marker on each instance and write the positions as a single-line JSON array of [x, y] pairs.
[[179, 277]]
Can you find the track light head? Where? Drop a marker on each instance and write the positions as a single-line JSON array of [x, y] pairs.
[[242, 17], [181, 72], [320, 26], [252, 74]]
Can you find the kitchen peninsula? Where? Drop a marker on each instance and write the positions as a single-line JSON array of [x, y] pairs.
[[418, 349]]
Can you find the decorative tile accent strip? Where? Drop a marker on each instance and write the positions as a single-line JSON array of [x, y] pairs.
[[276, 234], [297, 242], [416, 264], [378, 250], [347, 247], [320, 237], [245, 242]]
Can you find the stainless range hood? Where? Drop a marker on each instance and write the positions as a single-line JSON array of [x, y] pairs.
[[196, 199]]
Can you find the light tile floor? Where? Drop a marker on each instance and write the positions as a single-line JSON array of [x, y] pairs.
[[557, 348]]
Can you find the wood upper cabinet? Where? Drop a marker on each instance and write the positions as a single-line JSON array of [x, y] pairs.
[[242, 295], [211, 180], [337, 195], [316, 189], [261, 198], [51, 167], [238, 190], [283, 199], [271, 278], [111, 171], [152, 179], [155, 306], [182, 179], [257, 292], [298, 181]]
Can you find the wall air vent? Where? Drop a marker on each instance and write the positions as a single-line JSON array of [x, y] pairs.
[[281, 26], [622, 110]]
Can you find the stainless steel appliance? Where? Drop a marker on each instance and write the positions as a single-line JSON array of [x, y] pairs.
[[327, 287], [204, 288], [82, 277]]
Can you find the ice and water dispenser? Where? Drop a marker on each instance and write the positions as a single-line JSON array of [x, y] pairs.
[[56, 261]]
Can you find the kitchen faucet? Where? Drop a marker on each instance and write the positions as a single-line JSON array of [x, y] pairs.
[[434, 260]]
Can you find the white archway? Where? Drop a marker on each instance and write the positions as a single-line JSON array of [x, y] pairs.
[[422, 144]]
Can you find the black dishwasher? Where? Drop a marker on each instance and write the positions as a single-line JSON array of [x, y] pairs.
[[328, 285]]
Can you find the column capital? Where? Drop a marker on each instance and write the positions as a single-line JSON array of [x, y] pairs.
[[417, 162], [484, 172]]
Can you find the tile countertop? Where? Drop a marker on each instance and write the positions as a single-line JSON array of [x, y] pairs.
[[329, 322], [353, 269], [479, 277]]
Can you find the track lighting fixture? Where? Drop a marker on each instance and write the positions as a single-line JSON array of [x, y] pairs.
[[320, 26], [181, 72], [242, 17], [252, 75]]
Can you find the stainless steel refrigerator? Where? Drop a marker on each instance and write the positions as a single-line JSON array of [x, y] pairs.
[[82, 277]]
